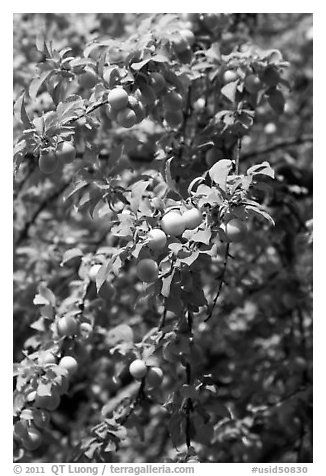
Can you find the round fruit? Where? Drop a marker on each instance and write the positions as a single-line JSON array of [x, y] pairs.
[[172, 223], [137, 107], [271, 76], [229, 76], [235, 230], [67, 326], [154, 376], [127, 117], [88, 79], [172, 101], [157, 81], [20, 430], [270, 128], [180, 43], [85, 329], [185, 56], [48, 161], [192, 218], [62, 384], [252, 84], [66, 152], [47, 358], [147, 270], [210, 20], [41, 418], [138, 369], [93, 271], [174, 118], [69, 363], [48, 402], [118, 98], [146, 95], [188, 35], [213, 155], [33, 439], [156, 239]]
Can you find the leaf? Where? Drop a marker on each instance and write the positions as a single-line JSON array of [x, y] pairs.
[[277, 101], [258, 211], [103, 274], [189, 260], [44, 389], [71, 254], [20, 112], [200, 236], [44, 296], [263, 168], [166, 284], [71, 108], [138, 66], [74, 188], [121, 333], [168, 176], [37, 83], [229, 90], [39, 325], [220, 171]]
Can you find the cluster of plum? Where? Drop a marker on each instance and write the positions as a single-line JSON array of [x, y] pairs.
[[175, 223], [153, 375], [50, 158], [35, 417]]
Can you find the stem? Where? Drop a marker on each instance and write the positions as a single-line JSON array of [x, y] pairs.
[[226, 256], [237, 157]]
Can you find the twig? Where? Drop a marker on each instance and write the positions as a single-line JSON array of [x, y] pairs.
[[278, 145], [226, 257], [24, 232]]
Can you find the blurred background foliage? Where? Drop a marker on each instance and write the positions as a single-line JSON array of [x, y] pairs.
[[258, 346]]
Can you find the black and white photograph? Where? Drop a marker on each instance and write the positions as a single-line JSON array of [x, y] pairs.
[[162, 240]]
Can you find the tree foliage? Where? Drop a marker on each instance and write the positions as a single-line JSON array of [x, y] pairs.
[[163, 237]]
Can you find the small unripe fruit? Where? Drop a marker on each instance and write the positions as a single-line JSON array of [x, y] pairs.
[[127, 117], [213, 155], [174, 118], [138, 369], [172, 223], [67, 326], [252, 84], [188, 35], [180, 43], [185, 56], [33, 439], [41, 418], [88, 79], [85, 329], [48, 162], [156, 239], [47, 358], [229, 76], [235, 230], [147, 270], [69, 363], [66, 152], [137, 107], [48, 402], [192, 218], [20, 430], [172, 101], [93, 271], [118, 98], [146, 95], [157, 82], [154, 376]]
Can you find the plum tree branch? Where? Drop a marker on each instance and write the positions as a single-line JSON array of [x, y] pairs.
[[278, 145]]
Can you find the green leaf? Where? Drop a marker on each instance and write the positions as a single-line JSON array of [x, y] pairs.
[[37, 83], [71, 254], [263, 168], [230, 90], [277, 101], [20, 112], [220, 171]]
